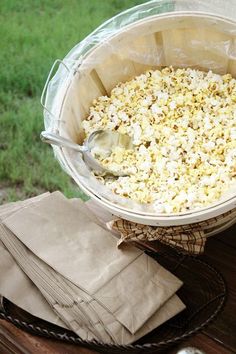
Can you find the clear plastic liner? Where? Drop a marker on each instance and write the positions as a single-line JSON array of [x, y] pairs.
[[182, 33]]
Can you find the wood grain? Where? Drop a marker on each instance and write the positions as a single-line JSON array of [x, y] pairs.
[[228, 237], [8, 343], [224, 259], [32, 344], [19, 342], [204, 343]]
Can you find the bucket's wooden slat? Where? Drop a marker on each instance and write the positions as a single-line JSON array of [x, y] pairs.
[[131, 57], [155, 24], [183, 20], [159, 43], [218, 56], [72, 115], [200, 48], [70, 126], [148, 52], [88, 88], [232, 68], [117, 68], [97, 82], [232, 61], [173, 39], [79, 98]]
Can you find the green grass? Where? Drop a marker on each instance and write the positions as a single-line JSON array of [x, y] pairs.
[[33, 34]]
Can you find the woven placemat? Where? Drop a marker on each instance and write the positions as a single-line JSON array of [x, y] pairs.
[[203, 292]]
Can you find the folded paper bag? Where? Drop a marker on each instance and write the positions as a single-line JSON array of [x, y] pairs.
[[164, 312], [119, 334], [64, 313], [15, 285], [18, 288], [136, 293], [51, 288], [60, 241]]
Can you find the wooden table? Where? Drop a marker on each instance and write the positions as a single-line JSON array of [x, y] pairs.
[[218, 338]]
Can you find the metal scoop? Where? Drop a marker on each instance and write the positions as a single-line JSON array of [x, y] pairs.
[[101, 140]]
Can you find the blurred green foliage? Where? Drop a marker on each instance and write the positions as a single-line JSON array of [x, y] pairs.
[[33, 34]]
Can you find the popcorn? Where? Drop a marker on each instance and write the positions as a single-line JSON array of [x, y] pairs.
[[155, 109], [172, 105], [183, 126]]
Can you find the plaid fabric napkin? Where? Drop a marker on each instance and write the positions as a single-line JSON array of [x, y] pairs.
[[97, 290], [189, 238]]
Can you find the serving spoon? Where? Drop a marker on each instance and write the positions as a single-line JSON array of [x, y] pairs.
[[103, 140]]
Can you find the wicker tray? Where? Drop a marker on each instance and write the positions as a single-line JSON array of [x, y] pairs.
[[203, 292]]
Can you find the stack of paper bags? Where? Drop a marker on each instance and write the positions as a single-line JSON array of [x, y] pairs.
[[59, 265]]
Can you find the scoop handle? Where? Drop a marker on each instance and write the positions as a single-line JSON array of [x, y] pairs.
[[58, 140]]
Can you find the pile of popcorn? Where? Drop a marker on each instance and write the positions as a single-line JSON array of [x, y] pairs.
[[183, 126]]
